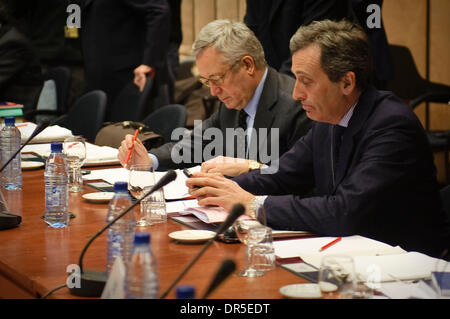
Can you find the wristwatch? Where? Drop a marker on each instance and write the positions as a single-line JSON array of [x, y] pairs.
[[252, 165]]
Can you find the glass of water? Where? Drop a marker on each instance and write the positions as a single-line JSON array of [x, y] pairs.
[[74, 148], [140, 181]]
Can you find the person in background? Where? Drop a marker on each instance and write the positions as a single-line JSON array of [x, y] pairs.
[[20, 72], [275, 21], [366, 156], [124, 41]]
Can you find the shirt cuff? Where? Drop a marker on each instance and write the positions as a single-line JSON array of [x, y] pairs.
[[154, 160]]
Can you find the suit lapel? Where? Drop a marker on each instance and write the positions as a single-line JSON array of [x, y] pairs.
[[361, 112], [264, 117]]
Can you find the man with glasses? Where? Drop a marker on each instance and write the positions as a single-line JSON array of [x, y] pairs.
[[255, 99]]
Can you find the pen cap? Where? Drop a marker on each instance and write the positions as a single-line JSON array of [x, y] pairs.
[[185, 292], [10, 121], [56, 147], [120, 187]]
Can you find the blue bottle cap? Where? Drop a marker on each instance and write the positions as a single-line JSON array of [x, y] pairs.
[[142, 238], [120, 187], [10, 120], [56, 147], [185, 292]]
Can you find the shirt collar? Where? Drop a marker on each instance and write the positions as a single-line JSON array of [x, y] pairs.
[[252, 106], [346, 118]]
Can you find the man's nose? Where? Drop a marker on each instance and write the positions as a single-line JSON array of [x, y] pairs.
[[214, 89], [298, 93]]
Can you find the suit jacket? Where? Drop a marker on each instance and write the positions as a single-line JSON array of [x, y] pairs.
[[275, 21], [385, 187], [276, 109], [117, 36], [20, 72]]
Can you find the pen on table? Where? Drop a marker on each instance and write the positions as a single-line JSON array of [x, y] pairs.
[[331, 243], [132, 146]]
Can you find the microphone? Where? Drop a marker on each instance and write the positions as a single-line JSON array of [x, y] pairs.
[[8, 220], [227, 267], [236, 211], [92, 282]]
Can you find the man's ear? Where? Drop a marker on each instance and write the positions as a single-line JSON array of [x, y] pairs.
[[249, 64], [348, 82]]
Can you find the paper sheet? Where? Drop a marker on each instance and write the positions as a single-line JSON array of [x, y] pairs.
[[49, 134], [95, 155]]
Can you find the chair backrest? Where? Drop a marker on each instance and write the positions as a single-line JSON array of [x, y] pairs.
[[433, 97], [62, 77], [130, 104], [167, 118], [87, 114]]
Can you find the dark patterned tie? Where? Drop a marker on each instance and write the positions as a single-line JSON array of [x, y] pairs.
[[242, 140]]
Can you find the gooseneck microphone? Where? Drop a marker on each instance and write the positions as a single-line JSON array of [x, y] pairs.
[[227, 267], [8, 220], [92, 282], [236, 211]]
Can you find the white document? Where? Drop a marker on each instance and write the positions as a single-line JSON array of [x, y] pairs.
[[406, 266], [173, 191], [114, 287], [50, 134], [180, 205], [308, 248], [95, 155]]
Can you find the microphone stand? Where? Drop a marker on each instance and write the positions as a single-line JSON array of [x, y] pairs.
[[92, 282]]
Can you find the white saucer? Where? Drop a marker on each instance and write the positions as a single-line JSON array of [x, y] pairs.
[[192, 235], [26, 165], [301, 291], [98, 197]]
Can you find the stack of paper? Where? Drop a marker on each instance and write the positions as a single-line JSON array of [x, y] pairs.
[[210, 214], [175, 190], [95, 155], [53, 133]]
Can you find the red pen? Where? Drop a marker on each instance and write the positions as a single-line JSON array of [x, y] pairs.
[[331, 243], [131, 148]]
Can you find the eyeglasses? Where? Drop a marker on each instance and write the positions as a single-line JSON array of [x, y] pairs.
[[216, 79]]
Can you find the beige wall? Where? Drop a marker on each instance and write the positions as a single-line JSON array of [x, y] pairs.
[[405, 24]]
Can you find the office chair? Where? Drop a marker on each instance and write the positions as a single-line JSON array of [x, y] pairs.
[[439, 140], [87, 114], [165, 119], [185, 68], [130, 104], [407, 83], [61, 77]]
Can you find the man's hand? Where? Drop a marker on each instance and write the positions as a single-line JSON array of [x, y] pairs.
[[140, 75], [214, 189], [228, 166], [139, 154]]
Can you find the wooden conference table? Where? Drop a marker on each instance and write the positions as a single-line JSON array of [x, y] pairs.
[[34, 257]]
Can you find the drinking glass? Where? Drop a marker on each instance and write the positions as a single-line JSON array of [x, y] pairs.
[[74, 149], [141, 180], [250, 232], [337, 276]]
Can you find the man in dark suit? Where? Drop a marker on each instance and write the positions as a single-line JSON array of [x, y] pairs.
[[366, 155], [275, 21], [230, 61], [121, 40]]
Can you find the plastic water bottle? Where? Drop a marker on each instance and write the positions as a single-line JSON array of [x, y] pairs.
[[11, 177], [121, 233], [142, 280], [56, 188]]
